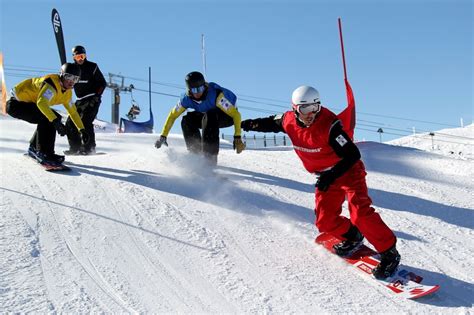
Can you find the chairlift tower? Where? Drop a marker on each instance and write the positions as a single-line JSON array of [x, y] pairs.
[[117, 88]]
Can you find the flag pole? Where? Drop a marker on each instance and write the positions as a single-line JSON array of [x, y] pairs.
[[203, 52], [149, 86], [348, 115], [342, 49]]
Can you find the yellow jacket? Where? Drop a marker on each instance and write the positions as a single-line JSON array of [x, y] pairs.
[[46, 92]]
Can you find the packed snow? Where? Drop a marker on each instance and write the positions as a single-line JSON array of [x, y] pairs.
[[141, 230]]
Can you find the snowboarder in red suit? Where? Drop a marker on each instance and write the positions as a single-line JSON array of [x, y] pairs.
[[326, 150]]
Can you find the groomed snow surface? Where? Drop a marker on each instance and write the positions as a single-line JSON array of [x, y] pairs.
[[141, 230]]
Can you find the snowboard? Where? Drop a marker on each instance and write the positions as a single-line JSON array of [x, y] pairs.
[[403, 283], [49, 167], [81, 154]]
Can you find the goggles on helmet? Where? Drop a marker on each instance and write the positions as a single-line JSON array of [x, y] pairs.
[[197, 90], [71, 77], [79, 57], [305, 109]]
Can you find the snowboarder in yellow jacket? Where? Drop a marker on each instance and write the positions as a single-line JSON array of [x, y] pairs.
[[31, 100]]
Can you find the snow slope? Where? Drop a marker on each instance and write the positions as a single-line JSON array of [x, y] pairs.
[[457, 143], [140, 230]]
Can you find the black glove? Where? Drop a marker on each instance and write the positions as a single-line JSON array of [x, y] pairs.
[[238, 145], [248, 124], [324, 180], [160, 142], [96, 99], [90, 101], [85, 137], [59, 126]]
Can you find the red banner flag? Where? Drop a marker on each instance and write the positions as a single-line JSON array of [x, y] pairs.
[[348, 115], [3, 87]]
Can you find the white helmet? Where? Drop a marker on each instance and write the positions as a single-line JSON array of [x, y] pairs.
[[306, 104], [305, 95]]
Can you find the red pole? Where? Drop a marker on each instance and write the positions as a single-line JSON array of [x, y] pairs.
[[347, 116], [342, 49]]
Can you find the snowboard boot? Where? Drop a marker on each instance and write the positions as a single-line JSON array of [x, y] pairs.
[[55, 158], [34, 153], [72, 151], [38, 155], [43, 158], [87, 151], [389, 261], [211, 160], [353, 240]]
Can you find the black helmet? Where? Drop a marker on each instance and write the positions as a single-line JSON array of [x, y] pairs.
[[76, 50], [70, 68], [194, 79]]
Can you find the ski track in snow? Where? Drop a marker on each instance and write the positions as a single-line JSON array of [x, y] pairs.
[[141, 230], [58, 221]]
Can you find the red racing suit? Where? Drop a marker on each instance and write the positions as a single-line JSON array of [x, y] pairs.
[[324, 148]]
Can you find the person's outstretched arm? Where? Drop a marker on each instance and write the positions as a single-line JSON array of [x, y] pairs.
[[273, 123]]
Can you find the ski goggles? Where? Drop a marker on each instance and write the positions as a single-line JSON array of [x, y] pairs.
[[305, 109], [79, 57], [71, 77], [197, 90]]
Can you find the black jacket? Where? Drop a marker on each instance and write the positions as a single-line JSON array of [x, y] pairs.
[[92, 81]]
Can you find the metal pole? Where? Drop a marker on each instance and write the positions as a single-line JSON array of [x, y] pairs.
[[432, 140], [149, 86], [115, 106], [203, 52], [380, 131], [116, 95]]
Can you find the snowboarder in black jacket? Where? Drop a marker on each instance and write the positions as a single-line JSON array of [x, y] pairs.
[[88, 91]]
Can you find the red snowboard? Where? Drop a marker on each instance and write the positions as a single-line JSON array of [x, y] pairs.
[[403, 283]]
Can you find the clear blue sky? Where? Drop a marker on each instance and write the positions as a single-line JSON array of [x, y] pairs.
[[407, 59]]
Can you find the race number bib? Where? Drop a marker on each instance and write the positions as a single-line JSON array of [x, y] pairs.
[[225, 103], [48, 94], [178, 106], [341, 140]]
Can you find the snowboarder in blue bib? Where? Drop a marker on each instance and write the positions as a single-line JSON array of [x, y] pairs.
[[214, 108]]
